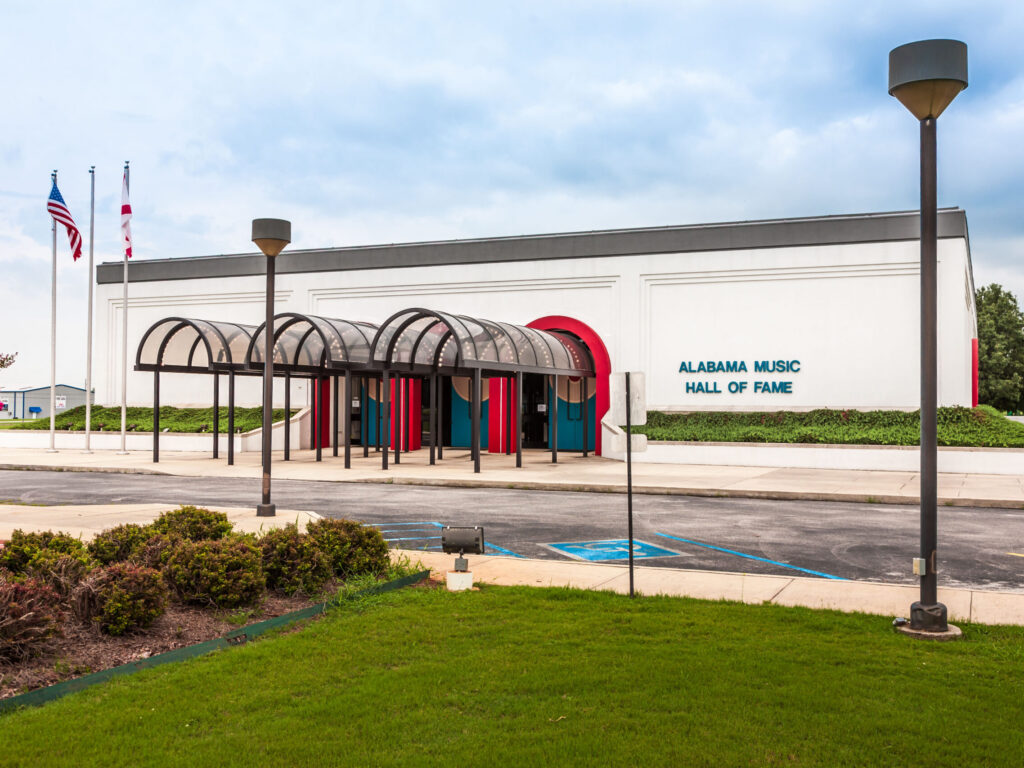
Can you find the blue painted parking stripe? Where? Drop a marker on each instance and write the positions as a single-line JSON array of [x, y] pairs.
[[413, 538], [503, 550], [752, 557], [421, 522]]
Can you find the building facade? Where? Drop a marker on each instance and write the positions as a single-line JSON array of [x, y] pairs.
[[788, 314]]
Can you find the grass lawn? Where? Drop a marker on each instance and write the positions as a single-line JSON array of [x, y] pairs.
[[981, 427], [172, 419], [539, 677]]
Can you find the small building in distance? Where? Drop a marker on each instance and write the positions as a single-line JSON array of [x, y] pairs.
[[34, 402]]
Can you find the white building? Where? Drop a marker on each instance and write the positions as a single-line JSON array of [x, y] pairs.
[[788, 314]]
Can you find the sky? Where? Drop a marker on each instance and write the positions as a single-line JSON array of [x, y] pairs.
[[402, 121]]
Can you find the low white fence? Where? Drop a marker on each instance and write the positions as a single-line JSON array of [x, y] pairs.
[[896, 458], [169, 441]]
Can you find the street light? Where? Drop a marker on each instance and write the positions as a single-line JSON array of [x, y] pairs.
[[271, 236], [926, 76]]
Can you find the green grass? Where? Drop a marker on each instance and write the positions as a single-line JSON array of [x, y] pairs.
[[539, 677], [172, 419], [981, 427]]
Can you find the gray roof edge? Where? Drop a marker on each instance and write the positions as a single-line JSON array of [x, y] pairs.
[[770, 233]]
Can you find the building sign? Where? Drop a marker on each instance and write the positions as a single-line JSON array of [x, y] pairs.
[[62, 401], [763, 376]]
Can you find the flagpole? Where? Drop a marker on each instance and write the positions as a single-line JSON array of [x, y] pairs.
[[88, 333], [124, 343], [53, 337]]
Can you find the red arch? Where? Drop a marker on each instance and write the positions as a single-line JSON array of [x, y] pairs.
[[602, 362]]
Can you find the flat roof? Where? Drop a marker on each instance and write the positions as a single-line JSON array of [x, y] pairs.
[[728, 236]]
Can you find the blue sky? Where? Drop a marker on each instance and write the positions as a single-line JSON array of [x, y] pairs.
[[390, 121]]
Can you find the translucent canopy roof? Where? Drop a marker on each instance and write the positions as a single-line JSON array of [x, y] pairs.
[[309, 344], [182, 345], [422, 340]]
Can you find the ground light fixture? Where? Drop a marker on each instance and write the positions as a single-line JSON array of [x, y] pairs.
[[926, 76], [271, 236], [462, 540]]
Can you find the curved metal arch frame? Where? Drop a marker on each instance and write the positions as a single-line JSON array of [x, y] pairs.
[[176, 324], [383, 355], [326, 364]]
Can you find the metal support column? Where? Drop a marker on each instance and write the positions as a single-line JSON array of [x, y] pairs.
[[519, 418], [475, 432], [317, 431], [397, 420], [440, 419], [364, 425], [554, 422], [335, 416], [216, 415], [231, 418], [156, 416], [287, 416], [347, 423], [383, 408], [432, 405]]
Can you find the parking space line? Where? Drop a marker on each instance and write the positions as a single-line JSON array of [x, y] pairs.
[[503, 551], [1015, 554], [752, 557], [413, 538]]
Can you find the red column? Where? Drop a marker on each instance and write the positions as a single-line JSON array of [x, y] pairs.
[[500, 398]]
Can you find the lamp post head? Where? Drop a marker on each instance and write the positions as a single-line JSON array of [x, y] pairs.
[[927, 75], [271, 235]]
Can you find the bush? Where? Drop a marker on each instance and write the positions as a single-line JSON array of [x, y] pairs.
[[29, 617], [121, 597], [293, 562], [351, 548], [193, 523], [226, 573], [19, 551], [115, 545], [59, 571], [155, 551]]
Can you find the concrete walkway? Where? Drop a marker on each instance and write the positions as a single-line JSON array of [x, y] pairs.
[[86, 520], [572, 473], [888, 600]]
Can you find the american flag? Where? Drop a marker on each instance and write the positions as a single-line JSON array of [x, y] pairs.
[[126, 218], [60, 213]]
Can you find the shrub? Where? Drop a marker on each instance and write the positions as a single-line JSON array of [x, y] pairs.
[[59, 571], [121, 597], [19, 551], [115, 545], [351, 548], [29, 617], [225, 573], [155, 551], [293, 562], [193, 523]]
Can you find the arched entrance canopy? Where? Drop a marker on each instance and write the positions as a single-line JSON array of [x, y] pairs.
[[311, 344], [423, 341], [183, 345]]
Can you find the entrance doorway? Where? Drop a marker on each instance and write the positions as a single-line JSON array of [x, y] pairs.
[[535, 411]]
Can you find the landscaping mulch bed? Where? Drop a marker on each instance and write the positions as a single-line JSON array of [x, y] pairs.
[[84, 649]]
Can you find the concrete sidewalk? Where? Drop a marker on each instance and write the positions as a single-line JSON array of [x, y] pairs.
[[890, 600], [572, 473], [86, 520]]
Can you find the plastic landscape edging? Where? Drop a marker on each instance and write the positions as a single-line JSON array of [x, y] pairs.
[[235, 637]]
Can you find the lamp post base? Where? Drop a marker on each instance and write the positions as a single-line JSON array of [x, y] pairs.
[[928, 618], [266, 510]]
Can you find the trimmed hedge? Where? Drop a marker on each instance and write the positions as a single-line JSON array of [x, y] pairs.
[[292, 561], [121, 597], [981, 427], [351, 548], [193, 523], [29, 616], [226, 573], [118, 544]]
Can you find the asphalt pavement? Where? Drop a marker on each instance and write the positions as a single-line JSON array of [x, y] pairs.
[[978, 547]]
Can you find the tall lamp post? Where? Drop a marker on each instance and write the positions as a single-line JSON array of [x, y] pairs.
[[271, 236], [926, 76]]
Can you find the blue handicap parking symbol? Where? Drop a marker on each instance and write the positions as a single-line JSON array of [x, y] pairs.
[[610, 549]]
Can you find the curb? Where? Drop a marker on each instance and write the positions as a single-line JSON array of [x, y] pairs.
[[233, 638], [650, 490]]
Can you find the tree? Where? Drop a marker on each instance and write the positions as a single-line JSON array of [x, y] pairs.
[[1000, 349], [6, 361]]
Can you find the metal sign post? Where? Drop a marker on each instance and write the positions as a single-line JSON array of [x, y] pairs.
[[628, 406]]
